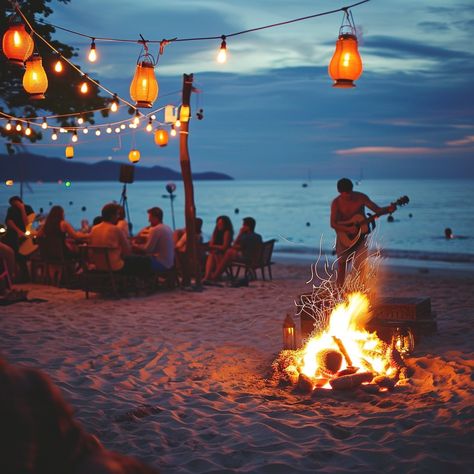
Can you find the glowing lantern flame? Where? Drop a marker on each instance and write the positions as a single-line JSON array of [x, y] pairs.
[[144, 87], [35, 81], [346, 64], [17, 44]]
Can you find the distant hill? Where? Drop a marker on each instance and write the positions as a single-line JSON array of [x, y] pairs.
[[29, 167]]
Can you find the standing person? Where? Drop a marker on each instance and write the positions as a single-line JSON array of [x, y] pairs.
[[221, 240], [18, 219], [159, 245], [244, 248], [346, 206], [182, 264]]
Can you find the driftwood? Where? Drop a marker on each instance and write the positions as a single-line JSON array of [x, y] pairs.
[[351, 381]]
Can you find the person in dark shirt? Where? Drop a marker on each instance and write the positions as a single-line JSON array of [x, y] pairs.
[[244, 248], [17, 221]]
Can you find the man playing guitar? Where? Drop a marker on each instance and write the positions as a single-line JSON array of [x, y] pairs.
[[351, 241]]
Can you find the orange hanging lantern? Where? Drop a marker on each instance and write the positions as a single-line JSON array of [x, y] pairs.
[[69, 152], [346, 64], [35, 81], [17, 44], [134, 156], [161, 137], [144, 86]]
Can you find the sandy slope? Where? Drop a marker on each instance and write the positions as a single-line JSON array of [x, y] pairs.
[[178, 379]]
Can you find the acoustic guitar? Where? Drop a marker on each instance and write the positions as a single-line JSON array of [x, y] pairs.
[[28, 244], [363, 224]]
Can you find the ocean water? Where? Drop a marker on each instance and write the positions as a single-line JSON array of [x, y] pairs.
[[296, 215]]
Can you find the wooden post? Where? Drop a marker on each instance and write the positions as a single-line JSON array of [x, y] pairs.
[[189, 206]]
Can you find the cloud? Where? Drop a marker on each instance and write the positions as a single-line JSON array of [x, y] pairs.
[[463, 141], [384, 150]]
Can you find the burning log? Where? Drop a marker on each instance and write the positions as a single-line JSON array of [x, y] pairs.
[[284, 368], [341, 347], [305, 384], [351, 381], [329, 362], [385, 382]]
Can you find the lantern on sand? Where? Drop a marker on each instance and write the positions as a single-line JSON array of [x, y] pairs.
[[161, 137], [134, 156], [346, 64], [35, 81], [69, 152], [289, 333], [17, 44], [144, 86]]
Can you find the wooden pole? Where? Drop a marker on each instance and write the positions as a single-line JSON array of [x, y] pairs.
[[189, 206]]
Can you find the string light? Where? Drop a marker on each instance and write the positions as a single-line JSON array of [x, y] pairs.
[[8, 126], [108, 130], [84, 88], [98, 132], [123, 126], [149, 126], [117, 129], [18, 127], [80, 120], [177, 124], [136, 119], [85, 131], [74, 137], [58, 65], [44, 125], [28, 129], [173, 131], [114, 106], [222, 54], [54, 135], [92, 53]]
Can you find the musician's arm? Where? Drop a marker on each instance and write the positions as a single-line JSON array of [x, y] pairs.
[[377, 209], [11, 224]]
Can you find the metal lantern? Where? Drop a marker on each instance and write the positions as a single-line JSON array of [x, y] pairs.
[[346, 64], [134, 156], [17, 44], [289, 333], [161, 137], [35, 81], [144, 86], [69, 152]]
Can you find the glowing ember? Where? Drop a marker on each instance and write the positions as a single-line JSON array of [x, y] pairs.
[[344, 355]]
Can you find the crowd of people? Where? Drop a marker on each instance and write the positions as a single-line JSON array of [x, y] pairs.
[[156, 248]]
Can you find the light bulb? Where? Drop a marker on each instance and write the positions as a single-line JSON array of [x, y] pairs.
[[28, 130], [177, 124], [85, 131], [117, 129], [108, 130], [136, 119], [44, 125], [62, 130], [84, 88], [8, 126], [54, 135], [114, 106], [149, 126], [222, 54], [173, 131], [18, 127], [97, 132], [58, 66], [123, 126], [92, 53], [80, 120], [74, 137]]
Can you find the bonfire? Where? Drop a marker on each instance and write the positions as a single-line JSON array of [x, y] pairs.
[[341, 353]]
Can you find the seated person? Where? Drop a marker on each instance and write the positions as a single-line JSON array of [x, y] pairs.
[[107, 234], [158, 246], [56, 237], [122, 224], [221, 240], [244, 248]]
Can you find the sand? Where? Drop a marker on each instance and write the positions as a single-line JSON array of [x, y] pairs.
[[177, 379]]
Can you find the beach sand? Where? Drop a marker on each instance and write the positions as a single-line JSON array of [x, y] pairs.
[[178, 379]]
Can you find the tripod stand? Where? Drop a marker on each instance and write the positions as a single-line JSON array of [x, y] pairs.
[[124, 204]]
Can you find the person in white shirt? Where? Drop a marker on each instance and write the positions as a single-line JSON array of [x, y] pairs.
[[159, 245]]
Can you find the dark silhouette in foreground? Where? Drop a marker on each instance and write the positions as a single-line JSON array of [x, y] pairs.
[[40, 435]]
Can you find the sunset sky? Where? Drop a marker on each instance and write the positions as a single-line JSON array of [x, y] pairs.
[[270, 111]]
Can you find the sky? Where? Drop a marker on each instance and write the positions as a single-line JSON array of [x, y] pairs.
[[270, 111]]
